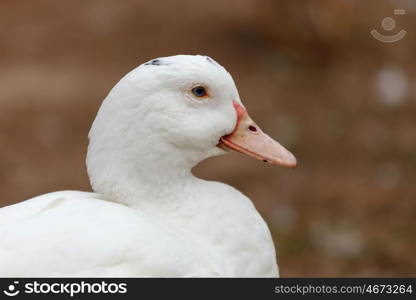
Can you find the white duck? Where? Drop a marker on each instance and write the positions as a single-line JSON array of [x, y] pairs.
[[148, 215]]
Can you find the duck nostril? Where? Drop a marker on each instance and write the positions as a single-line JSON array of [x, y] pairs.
[[252, 128]]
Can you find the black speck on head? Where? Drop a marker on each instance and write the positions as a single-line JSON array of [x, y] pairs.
[[154, 62], [211, 60]]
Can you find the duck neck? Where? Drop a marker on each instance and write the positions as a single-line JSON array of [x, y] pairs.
[[152, 185], [141, 176]]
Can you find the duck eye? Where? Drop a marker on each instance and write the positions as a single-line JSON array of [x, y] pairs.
[[199, 91]]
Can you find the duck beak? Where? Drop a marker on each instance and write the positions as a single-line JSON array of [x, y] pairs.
[[248, 138]]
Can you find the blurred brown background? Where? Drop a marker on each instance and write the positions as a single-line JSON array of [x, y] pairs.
[[309, 72]]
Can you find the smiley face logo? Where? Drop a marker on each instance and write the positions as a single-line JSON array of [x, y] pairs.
[[11, 289], [389, 24]]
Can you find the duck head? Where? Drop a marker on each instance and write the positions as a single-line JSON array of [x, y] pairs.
[[173, 112]]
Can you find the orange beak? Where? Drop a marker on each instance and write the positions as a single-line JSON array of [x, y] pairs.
[[248, 138]]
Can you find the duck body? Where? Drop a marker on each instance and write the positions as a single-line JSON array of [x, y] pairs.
[[68, 234], [149, 216]]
